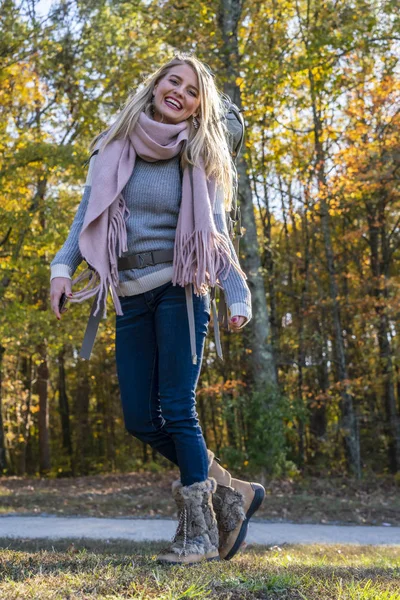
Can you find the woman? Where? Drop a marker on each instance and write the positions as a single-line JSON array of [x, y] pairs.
[[151, 227]]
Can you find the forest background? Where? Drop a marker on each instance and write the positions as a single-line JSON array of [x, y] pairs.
[[311, 385]]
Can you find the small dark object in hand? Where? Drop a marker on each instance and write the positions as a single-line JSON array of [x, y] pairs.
[[62, 302]]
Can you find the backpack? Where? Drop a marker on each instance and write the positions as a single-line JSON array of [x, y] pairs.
[[236, 127], [235, 124]]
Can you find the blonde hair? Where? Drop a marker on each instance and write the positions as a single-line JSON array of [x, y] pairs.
[[208, 141]]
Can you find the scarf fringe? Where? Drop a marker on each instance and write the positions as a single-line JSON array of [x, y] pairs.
[[203, 257], [99, 286], [90, 289], [116, 237]]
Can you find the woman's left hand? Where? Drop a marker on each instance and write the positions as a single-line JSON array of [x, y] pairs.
[[236, 322]]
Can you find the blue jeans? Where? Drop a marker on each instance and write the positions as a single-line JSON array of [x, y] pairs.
[[157, 378]]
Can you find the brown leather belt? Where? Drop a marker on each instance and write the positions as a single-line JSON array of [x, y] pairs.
[[145, 259]]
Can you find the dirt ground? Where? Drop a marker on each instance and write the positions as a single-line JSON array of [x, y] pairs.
[[313, 500]]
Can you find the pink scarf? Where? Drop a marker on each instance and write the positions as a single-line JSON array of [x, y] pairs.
[[200, 252]]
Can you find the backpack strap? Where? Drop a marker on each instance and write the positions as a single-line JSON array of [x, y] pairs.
[[217, 336], [235, 124], [234, 114], [85, 164], [97, 149]]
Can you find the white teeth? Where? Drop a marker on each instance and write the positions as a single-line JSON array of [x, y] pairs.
[[173, 102]]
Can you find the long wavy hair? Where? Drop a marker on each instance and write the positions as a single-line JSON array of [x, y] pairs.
[[208, 141]]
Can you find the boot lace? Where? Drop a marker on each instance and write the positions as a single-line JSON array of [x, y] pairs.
[[182, 524]]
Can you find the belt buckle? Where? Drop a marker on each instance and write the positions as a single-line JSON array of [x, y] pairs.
[[146, 262]]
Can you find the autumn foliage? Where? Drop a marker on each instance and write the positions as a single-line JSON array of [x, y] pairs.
[[318, 82]]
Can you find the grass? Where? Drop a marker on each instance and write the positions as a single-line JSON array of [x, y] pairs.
[[312, 500], [118, 569]]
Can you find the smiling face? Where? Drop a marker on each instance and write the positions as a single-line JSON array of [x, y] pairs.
[[176, 95]]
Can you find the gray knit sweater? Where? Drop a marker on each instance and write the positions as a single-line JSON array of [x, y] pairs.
[[153, 196]]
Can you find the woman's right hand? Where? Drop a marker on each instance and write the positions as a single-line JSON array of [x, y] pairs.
[[58, 285]]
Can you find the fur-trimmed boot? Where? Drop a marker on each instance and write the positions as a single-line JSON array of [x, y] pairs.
[[196, 538], [234, 502]]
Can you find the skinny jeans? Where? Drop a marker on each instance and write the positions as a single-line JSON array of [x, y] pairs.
[[157, 378]]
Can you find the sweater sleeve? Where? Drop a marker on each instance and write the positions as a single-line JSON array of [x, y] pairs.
[[69, 257], [236, 291]]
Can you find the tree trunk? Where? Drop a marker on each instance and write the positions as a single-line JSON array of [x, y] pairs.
[[230, 424], [218, 440], [380, 270], [349, 421], [26, 372], [318, 418], [269, 264], [81, 464], [63, 404], [261, 363], [300, 304], [43, 421], [3, 459]]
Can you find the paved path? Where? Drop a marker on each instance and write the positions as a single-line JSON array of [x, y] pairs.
[[260, 532]]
